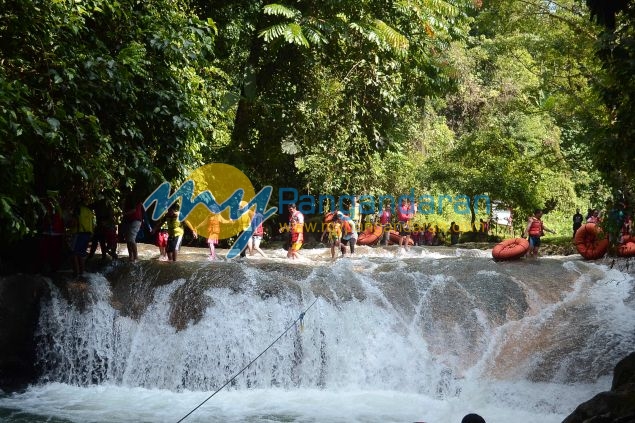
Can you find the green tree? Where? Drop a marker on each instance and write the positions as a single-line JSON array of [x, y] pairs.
[[524, 113], [326, 87], [100, 96], [613, 148]]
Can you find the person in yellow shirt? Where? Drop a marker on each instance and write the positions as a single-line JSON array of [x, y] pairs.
[[175, 231], [334, 231], [213, 229], [81, 228], [214, 224]]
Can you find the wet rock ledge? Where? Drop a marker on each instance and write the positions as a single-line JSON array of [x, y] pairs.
[[614, 406]]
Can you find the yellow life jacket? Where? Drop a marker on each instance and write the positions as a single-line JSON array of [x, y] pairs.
[[85, 220]]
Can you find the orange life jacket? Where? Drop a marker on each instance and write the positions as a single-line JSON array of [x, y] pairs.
[[214, 225]]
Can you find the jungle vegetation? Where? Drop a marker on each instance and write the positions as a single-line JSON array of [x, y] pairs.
[[527, 101]]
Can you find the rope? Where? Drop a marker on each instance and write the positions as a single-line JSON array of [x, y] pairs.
[[251, 362]]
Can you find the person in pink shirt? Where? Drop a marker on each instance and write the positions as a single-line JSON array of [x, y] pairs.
[[385, 219], [405, 212], [595, 217]]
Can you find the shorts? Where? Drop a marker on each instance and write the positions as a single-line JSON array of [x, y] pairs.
[[346, 241], [174, 244], [79, 244], [534, 241], [162, 239], [256, 240], [133, 230], [404, 230], [213, 240]]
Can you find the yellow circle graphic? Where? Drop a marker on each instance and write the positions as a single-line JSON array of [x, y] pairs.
[[221, 180]]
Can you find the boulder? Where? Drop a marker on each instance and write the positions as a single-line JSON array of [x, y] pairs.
[[614, 406]]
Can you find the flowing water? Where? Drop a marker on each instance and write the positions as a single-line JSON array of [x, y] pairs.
[[387, 336]]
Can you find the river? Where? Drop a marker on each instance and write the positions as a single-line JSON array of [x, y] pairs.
[[386, 336]]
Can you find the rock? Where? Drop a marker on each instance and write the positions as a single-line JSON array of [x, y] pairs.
[[19, 311], [614, 406]]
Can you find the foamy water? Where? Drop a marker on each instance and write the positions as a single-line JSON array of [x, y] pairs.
[[496, 402], [391, 336]]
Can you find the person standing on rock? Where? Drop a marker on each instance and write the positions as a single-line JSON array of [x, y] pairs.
[[535, 229], [577, 221]]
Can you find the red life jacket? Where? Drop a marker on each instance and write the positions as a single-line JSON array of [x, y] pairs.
[[296, 226], [385, 217], [536, 227], [403, 213]]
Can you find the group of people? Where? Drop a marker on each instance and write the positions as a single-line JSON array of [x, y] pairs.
[[90, 225], [79, 229], [169, 232], [95, 225], [616, 220], [341, 231]]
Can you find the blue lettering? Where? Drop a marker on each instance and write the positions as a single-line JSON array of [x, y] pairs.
[[331, 202], [485, 198], [391, 199], [461, 204], [282, 202], [440, 199], [426, 204], [340, 203], [367, 203], [306, 204]]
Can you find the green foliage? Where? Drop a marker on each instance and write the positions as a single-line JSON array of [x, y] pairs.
[[105, 97], [523, 112], [613, 149], [97, 94], [337, 79]]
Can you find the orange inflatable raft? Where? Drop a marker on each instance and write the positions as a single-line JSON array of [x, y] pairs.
[[370, 236], [627, 247], [510, 249], [626, 250], [395, 238], [590, 242]]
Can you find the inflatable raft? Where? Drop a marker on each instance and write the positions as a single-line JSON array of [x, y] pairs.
[[371, 235], [395, 238], [627, 247], [590, 241], [510, 249]]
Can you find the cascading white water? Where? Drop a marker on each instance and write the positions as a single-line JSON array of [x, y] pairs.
[[342, 345], [388, 340]]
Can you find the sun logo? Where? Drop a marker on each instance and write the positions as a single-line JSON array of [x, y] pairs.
[[200, 196]]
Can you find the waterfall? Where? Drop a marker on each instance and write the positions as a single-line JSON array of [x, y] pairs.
[[451, 330]]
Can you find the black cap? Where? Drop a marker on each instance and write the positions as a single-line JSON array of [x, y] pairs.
[[473, 418]]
